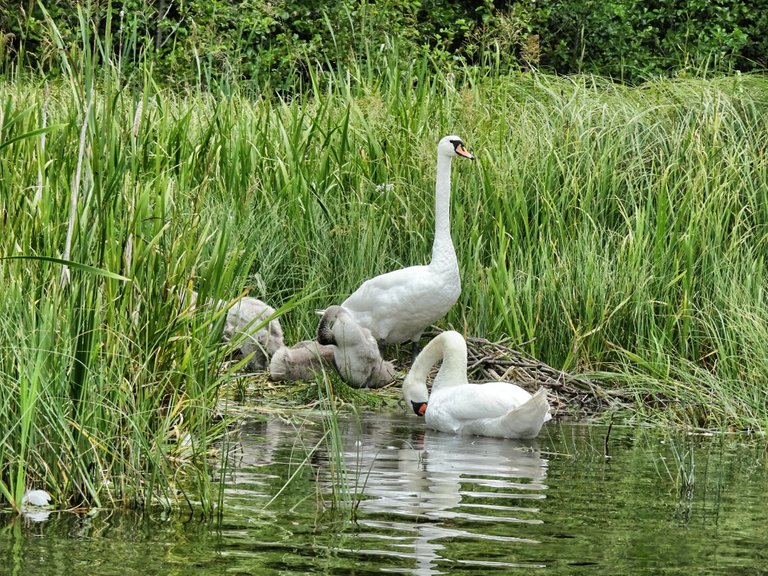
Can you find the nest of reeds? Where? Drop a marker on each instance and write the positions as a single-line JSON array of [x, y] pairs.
[[568, 394]]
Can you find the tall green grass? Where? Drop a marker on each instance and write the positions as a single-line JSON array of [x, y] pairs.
[[632, 232], [109, 379], [604, 229]]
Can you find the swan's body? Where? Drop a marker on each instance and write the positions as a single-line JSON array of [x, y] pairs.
[[498, 409], [248, 323], [356, 352], [397, 306], [252, 325], [301, 361]]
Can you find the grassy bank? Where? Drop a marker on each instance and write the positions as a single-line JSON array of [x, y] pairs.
[[603, 229]]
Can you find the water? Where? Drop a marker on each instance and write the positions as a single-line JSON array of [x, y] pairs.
[[644, 502]]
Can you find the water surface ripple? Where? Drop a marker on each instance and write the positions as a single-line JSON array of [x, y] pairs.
[[575, 501]]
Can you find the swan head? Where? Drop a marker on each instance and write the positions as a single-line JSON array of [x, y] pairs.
[[339, 328], [325, 332], [451, 146], [415, 394]]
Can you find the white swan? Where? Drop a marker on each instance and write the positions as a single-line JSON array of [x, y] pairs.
[[497, 409], [356, 352], [301, 361], [398, 306]]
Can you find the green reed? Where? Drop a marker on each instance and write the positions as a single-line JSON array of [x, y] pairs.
[[109, 379], [604, 229]]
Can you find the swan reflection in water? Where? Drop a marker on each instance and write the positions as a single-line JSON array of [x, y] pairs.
[[427, 499], [437, 486]]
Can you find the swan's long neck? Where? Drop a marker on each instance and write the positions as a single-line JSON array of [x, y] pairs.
[[443, 252], [449, 347]]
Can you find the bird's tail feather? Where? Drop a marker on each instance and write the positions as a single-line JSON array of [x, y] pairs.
[[526, 420]]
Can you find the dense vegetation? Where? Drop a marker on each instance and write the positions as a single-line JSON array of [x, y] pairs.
[[610, 229], [267, 45]]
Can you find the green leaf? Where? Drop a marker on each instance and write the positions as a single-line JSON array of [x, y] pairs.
[[30, 134], [73, 265]]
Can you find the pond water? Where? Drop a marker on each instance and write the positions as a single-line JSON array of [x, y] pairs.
[[578, 500]]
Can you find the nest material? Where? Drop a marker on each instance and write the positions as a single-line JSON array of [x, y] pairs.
[[568, 394]]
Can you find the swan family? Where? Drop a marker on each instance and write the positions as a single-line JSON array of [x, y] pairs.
[[393, 308]]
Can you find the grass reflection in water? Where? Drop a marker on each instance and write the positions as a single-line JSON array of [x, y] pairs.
[[432, 503]]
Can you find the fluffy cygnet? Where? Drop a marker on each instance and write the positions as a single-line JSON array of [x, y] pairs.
[[301, 361], [356, 352], [245, 325]]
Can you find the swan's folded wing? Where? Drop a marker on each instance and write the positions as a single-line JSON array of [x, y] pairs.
[[478, 401], [398, 305], [389, 287], [494, 409]]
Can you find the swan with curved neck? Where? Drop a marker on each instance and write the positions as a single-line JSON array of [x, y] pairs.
[[397, 306], [356, 353], [498, 409]]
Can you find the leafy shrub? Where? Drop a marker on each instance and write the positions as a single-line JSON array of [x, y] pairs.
[[633, 40], [271, 44]]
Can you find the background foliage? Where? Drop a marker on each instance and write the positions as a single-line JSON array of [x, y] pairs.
[[613, 229], [269, 43]]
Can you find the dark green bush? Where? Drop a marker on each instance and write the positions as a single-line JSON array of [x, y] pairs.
[[632, 40], [271, 44]]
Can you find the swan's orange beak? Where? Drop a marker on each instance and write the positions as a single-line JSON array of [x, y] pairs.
[[419, 408], [461, 151]]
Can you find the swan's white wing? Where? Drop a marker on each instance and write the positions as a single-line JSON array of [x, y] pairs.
[[451, 408], [384, 290], [399, 305], [475, 401], [525, 421], [494, 409]]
